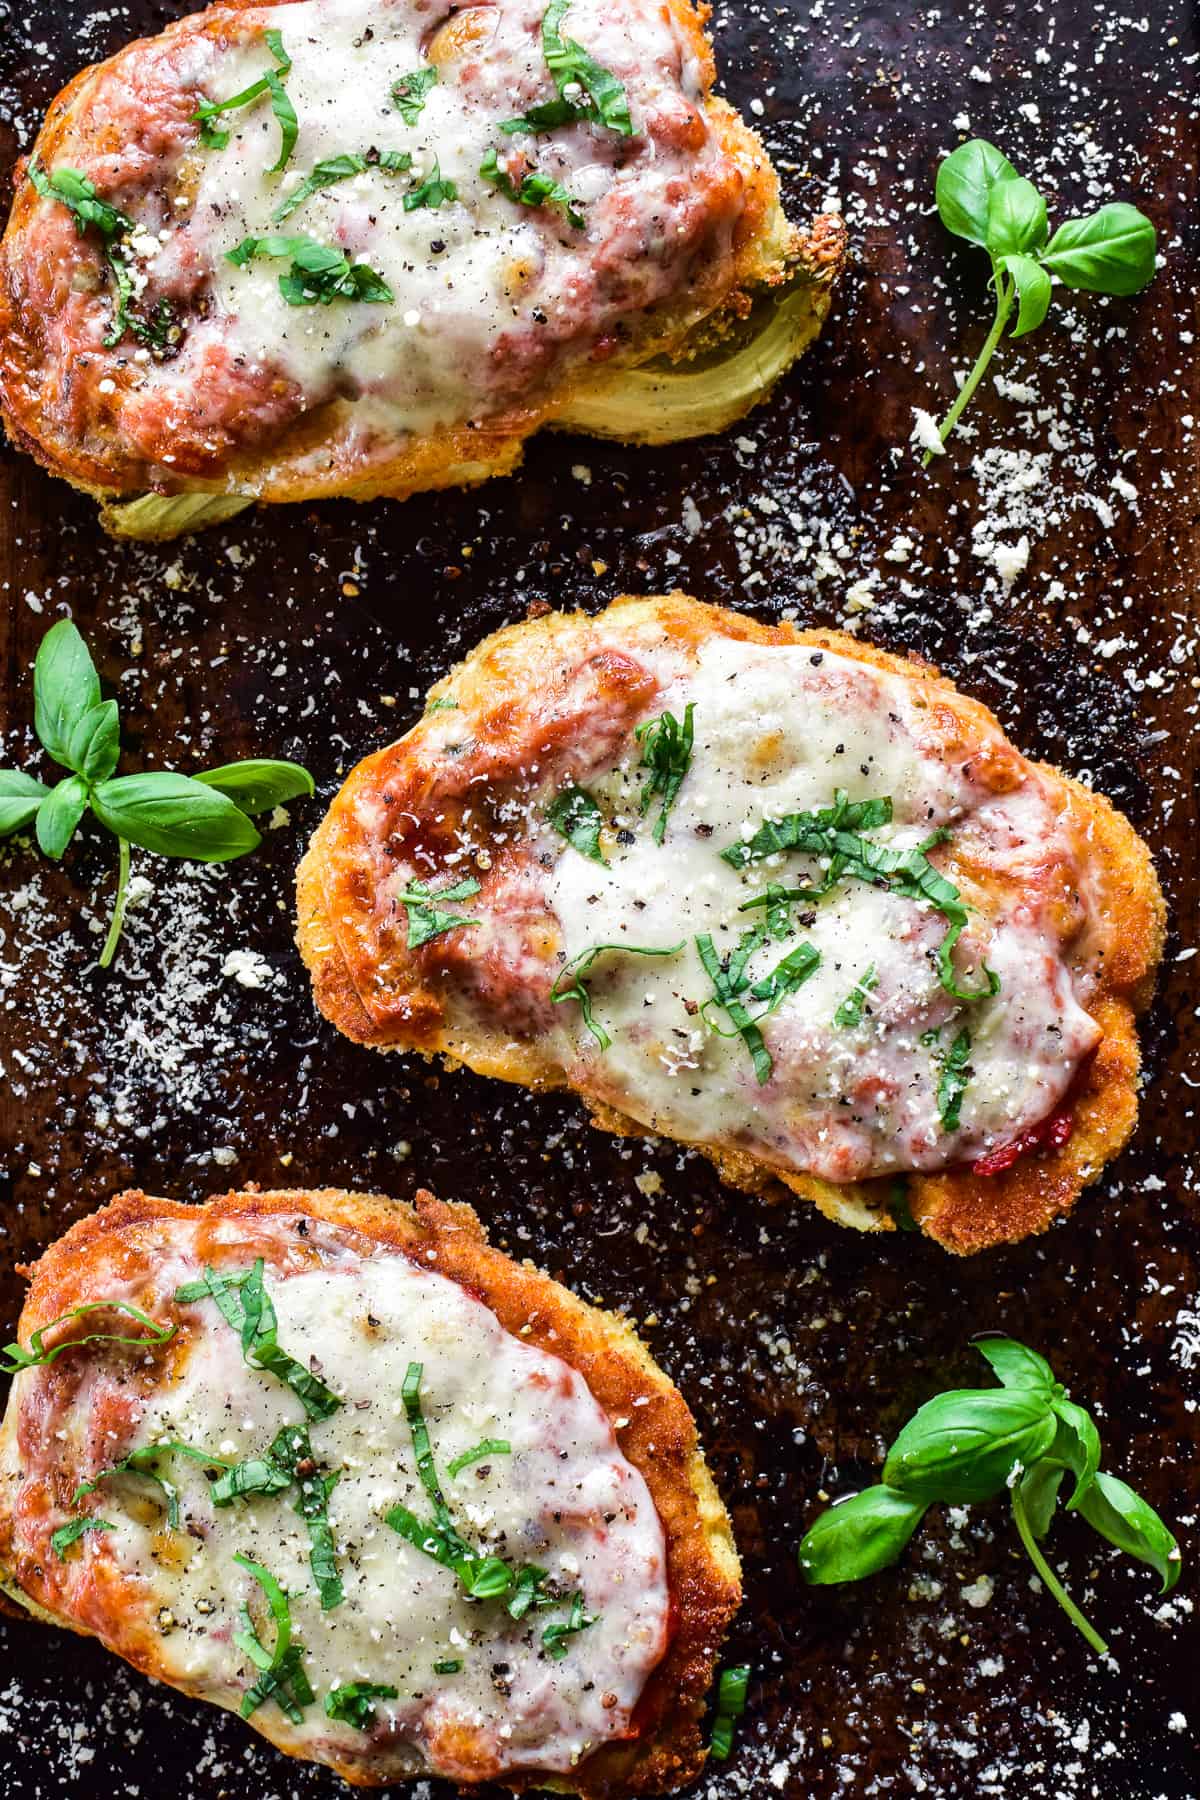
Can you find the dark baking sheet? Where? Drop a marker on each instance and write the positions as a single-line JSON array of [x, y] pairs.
[[310, 633]]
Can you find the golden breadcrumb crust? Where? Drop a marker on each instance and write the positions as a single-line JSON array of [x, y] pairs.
[[656, 1434], [312, 460], [499, 690]]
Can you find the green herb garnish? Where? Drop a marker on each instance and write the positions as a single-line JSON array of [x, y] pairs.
[[143, 1461], [953, 1078], [667, 753], [972, 1444], [478, 1453], [410, 93], [981, 198], [79, 196], [834, 832], [850, 1010], [282, 1675], [586, 90], [319, 273], [730, 982], [426, 919], [213, 138], [341, 168], [66, 1535], [435, 191], [14, 1358], [451, 1666], [731, 1704], [576, 988], [350, 1703], [246, 1306], [556, 1637], [167, 814], [534, 189], [574, 814]]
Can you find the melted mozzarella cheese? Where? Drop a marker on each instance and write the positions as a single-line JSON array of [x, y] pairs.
[[565, 1499], [777, 730], [486, 292]]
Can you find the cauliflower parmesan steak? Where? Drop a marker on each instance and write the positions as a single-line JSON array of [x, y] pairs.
[[771, 893], [340, 248], [408, 1506]]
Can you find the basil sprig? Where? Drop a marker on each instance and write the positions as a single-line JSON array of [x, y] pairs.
[[667, 753], [569, 983], [835, 832], [350, 1702], [245, 1305], [281, 1672], [972, 1444], [585, 89], [202, 818], [73, 189], [319, 273], [14, 1357], [426, 918], [213, 138], [981, 198], [534, 189], [731, 1704]]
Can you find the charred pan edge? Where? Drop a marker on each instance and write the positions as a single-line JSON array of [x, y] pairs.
[[767, 252], [659, 1439], [963, 1211]]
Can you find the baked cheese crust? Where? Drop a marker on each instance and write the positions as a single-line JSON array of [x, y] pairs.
[[599, 1471], [499, 312], [961, 1023]]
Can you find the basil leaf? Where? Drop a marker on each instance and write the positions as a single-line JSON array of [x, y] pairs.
[[37, 1356], [731, 1704], [66, 688], [786, 977], [859, 1536], [1039, 1492], [289, 125], [78, 195], [850, 1010], [451, 1666], [435, 191], [556, 1636], [1112, 251], [257, 784], [320, 273], [66, 1535], [95, 743], [535, 190], [59, 814], [282, 1678], [667, 753], [1016, 1365], [292, 1451], [350, 1701], [1016, 218], [141, 1462], [575, 816], [963, 190], [253, 1476], [1077, 1444], [810, 832], [426, 920], [953, 1080], [478, 1453], [270, 83], [173, 815], [964, 1445], [20, 798], [570, 65], [577, 990], [246, 1306], [1129, 1522], [410, 92], [324, 174], [1033, 291], [727, 984]]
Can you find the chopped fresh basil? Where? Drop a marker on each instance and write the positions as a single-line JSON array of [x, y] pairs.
[[14, 1358], [534, 189], [442, 705], [788, 975], [451, 1666], [730, 981], [574, 814], [778, 901], [478, 1453], [66, 1535], [410, 92], [426, 919], [435, 191], [341, 168], [350, 1702], [143, 1461], [282, 1675], [731, 1704], [246, 1306], [555, 1637], [899, 1207], [850, 1010], [954, 1076], [667, 753], [256, 1475], [78, 195], [834, 832], [576, 75], [292, 1450], [576, 989], [320, 273], [271, 83]]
